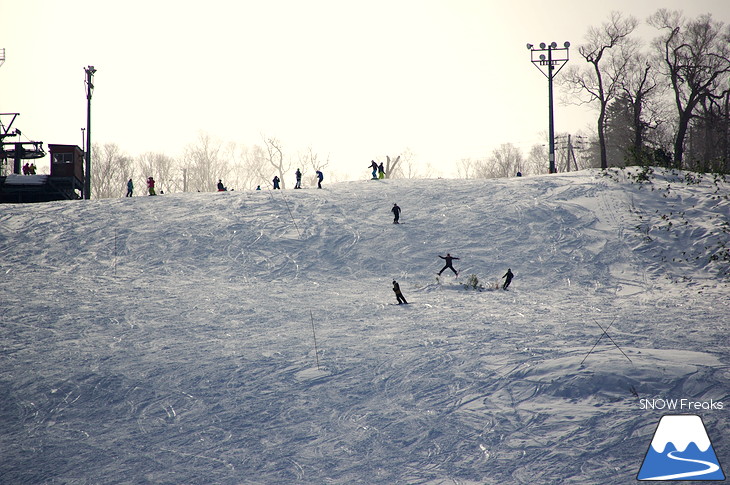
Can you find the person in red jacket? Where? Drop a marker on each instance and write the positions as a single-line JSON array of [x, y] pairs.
[[151, 185]]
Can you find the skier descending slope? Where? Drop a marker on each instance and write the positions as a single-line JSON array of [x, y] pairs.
[[396, 213], [399, 296], [509, 275], [448, 258]]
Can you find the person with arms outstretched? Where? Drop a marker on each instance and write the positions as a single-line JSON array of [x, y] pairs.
[[449, 259]]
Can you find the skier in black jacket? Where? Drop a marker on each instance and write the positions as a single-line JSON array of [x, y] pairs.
[[399, 296], [449, 258], [298, 175], [374, 166], [396, 212], [509, 275]]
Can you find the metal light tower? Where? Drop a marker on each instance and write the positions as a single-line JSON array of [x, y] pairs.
[[550, 65], [89, 90]]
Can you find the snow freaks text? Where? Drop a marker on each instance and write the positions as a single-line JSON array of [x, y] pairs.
[[681, 405]]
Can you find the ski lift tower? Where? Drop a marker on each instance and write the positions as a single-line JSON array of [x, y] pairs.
[[550, 65], [89, 91]]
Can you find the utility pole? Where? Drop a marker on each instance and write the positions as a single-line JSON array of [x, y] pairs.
[[556, 57], [89, 90]]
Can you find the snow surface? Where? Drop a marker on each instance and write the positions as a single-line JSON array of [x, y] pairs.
[[170, 339]]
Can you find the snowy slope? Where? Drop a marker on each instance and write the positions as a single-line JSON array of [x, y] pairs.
[[170, 339]]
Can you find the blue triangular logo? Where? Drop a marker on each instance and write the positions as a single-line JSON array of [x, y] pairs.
[[680, 450]]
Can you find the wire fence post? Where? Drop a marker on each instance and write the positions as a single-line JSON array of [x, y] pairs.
[[115, 251], [316, 352]]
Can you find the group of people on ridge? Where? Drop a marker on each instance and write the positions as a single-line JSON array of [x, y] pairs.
[[221, 188], [276, 182], [150, 187], [378, 170]]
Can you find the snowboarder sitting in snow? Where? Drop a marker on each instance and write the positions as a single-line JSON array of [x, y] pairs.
[[449, 258], [399, 296], [221, 187], [396, 212], [509, 275]]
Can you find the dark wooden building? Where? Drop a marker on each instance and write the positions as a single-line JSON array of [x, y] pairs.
[[65, 182]]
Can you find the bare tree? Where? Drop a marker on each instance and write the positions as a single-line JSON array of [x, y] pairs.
[[249, 167], [204, 164], [162, 168], [696, 57], [504, 161], [309, 159], [408, 166], [274, 155], [537, 160], [391, 167], [608, 52], [465, 168], [112, 167], [639, 86], [709, 136]]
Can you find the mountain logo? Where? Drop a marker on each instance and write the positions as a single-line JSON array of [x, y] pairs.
[[680, 450]]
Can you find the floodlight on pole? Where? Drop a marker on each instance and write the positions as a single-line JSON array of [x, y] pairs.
[[550, 65], [89, 90]]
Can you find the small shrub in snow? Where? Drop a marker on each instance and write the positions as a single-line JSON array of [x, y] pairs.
[[472, 283]]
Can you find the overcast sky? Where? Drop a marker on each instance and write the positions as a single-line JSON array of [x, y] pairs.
[[447, 79]]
